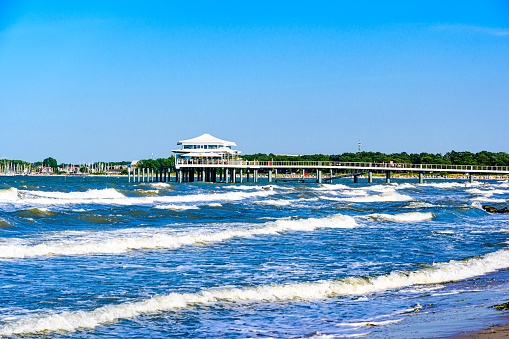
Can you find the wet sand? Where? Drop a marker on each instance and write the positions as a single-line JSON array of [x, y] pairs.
[[494, 332]]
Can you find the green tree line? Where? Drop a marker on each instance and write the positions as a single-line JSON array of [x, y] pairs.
[[156, 164], [483, 158]]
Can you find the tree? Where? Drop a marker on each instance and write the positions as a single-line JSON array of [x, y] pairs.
[[50, 162]]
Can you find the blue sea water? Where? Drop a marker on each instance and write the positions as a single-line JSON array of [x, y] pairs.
[[101, 257]]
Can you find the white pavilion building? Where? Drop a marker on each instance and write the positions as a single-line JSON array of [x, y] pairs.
[[206, 146]]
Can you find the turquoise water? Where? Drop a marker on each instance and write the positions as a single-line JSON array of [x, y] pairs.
[[101, 257]]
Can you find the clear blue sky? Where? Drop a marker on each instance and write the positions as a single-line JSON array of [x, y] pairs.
[[89, 80]]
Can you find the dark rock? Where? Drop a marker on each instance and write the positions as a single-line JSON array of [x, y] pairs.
[[492, 209]]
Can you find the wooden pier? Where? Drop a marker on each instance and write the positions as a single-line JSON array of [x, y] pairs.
[[231, 171], [148, 175]]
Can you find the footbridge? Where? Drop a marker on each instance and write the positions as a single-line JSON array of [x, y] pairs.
[[227, 170]]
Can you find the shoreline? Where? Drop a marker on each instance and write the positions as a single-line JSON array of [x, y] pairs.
[[493, 332]]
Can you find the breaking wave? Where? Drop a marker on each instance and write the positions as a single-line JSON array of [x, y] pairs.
[[274, 202], [451, 184], [488, 199], [9, 195], [121, 242], [305, 291], [389, 196], [110, 196]]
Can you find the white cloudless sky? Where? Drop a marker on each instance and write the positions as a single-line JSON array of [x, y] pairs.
[[86, 81]]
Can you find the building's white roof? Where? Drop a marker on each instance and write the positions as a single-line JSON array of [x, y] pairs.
[[211, 153], [206, 139]]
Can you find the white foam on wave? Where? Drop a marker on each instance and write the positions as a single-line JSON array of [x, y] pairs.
[[357, 192], [106, 193], [503, 184], [330, 187], [121, 242], [403, 217], [160, 185], [446, 185], [371, 323], [214, 204], [487, 199], [405, 185], [486, 192], [244, 187], [450, 232], [273, 202], [382, 188], [388, 196], [110, 196], [9, 195], [304, 291]]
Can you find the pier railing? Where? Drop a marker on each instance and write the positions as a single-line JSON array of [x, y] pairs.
[[373, 166]]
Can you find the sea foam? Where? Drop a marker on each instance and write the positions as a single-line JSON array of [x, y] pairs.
[[121, 242], [304, 291], [9, 195], [110, 196], [388, 196]]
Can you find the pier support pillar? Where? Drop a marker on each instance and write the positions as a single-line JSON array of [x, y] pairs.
[[355, 179], [270, 175], [471, 178], [388, 177], [331, 176], [240, 175], [370, 177], [247, 175], [319, 176], [226, 175], [255, 175], [129, 174], [421, 178], [234, 175]]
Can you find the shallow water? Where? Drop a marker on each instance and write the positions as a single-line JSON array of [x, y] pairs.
[[98, 256]]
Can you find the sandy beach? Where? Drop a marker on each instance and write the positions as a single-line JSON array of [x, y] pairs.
[[494, 332]]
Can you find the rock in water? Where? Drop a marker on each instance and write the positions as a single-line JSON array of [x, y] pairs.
[[492, 209]]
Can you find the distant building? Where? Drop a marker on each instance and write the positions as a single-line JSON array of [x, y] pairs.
[[45, 170], [206, 146]]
